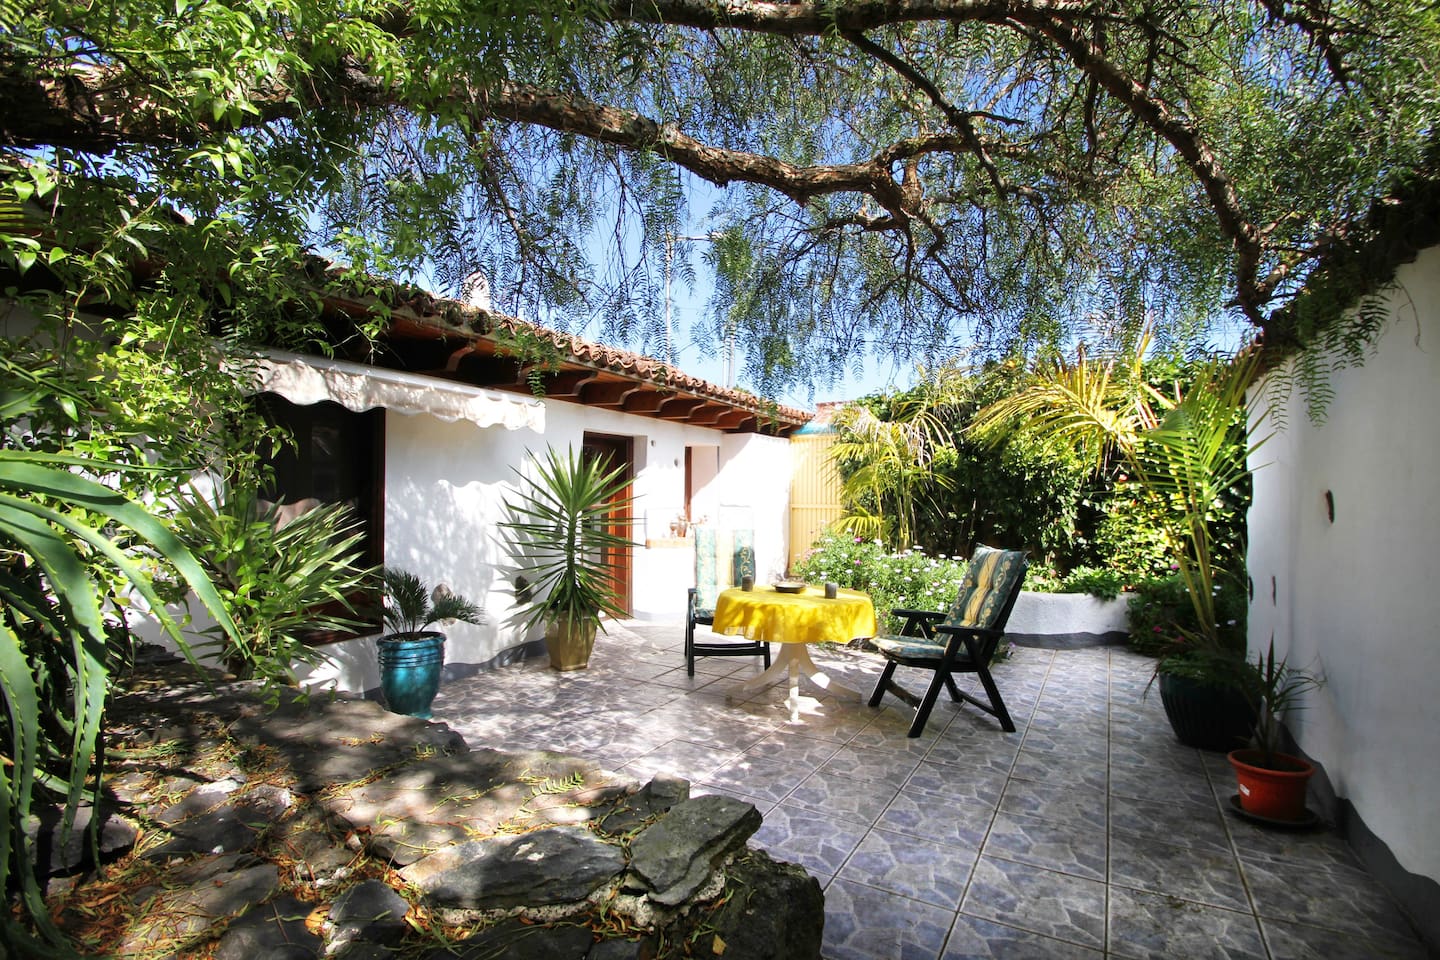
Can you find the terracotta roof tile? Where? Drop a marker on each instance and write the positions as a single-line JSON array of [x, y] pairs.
[[472, 322]]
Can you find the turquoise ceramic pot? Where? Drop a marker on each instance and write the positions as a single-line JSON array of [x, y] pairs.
[[410, 671]]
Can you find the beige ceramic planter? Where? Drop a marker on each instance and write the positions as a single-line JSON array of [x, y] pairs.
[[570, 644]]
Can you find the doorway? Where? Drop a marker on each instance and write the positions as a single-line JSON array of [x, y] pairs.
[[617, 452]]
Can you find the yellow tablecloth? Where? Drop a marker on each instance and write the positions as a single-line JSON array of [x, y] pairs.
[[806, 617]]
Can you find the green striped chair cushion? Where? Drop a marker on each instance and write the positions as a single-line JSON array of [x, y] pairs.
[[916, 647], [988, 580]]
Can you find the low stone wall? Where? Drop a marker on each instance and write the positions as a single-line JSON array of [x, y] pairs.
[[331, 828], [1048, 613]]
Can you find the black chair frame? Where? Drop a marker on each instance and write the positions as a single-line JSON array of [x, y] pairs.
[[693, 649], [967, 650]]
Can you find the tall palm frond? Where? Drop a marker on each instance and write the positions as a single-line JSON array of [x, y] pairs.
[[1183, 448], [567, 524]]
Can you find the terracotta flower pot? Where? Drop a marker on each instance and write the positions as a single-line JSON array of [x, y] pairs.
[[1270, 793]]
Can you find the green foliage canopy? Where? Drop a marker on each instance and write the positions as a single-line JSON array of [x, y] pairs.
[[898, 177]]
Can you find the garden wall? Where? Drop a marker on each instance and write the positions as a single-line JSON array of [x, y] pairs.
[[1344, 537], [1052, 613]]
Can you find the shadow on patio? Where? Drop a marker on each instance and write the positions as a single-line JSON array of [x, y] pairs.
[[1089, 832]]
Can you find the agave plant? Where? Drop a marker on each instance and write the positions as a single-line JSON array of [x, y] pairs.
[[410, 607], [68, 545], [567, 525]]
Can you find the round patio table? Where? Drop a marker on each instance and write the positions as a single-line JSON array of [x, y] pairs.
[[794, 620]]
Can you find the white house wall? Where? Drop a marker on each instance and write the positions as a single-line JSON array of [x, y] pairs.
[[1356, 599], [753, 489], [444, 488]]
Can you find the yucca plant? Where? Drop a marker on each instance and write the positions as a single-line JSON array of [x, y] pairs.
[[280, 582], [410, 608], [566, 526], [1275, 689]]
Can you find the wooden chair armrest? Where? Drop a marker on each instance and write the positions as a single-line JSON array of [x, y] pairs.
[[959, 631], [918, 623]]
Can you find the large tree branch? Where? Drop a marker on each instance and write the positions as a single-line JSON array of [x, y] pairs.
[[1182, 135], [819, 18], [92, 108]]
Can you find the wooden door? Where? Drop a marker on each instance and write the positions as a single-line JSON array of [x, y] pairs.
[[617, 452]]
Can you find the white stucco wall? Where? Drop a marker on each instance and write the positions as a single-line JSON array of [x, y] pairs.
[[1051, 613], [445, 483], [1357, 599], [754, 493]]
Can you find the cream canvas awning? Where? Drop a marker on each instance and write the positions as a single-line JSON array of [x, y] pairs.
[[357, 387]]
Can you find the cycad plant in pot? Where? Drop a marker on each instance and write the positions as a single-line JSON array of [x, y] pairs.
[[1189, 448], [411, 655], [1272, 784], [567, 526]]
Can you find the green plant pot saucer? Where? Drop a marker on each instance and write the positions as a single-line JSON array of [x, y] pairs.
[[1309, 821]]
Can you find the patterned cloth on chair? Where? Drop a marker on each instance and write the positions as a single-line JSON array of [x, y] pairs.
[[712, 576], [963, 640]]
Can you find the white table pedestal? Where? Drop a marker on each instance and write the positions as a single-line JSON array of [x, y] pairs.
[[794, 661]]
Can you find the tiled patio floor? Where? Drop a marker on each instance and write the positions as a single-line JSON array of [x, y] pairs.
[[1089, 832]]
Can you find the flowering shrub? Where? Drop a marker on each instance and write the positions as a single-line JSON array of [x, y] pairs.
[[1160, 609], [914, 580], [908, 580]]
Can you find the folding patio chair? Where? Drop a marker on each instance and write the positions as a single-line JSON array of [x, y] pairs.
[[700, 601], [962, 641]]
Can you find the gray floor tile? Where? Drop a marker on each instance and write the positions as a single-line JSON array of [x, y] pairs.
[[1205, 874], [1294, 941], [954, 821], [1065, 802], [817, 841], [981, 785], [758, 776], [1145, 925], [802, 752], [892, 767], [679, 758], [861, 801], [1317, 849], [1049, 844], [1185, 823], [1041, 901], [863, 923], [1047, 767], [972, 938], [919, 869], [1348, 901]]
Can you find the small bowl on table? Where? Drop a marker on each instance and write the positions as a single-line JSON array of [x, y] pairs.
[[789, 586]]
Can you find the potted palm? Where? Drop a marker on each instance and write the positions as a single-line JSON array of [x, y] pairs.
[[1188, 449], [1272, 784], [411, 654], [567, 527]]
